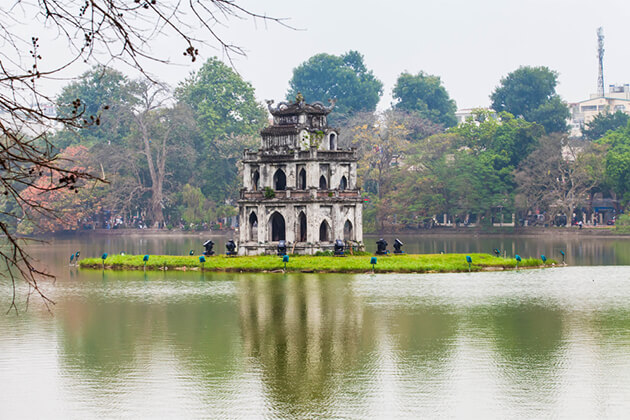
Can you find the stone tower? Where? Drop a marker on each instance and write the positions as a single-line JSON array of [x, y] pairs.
[[299, 186]]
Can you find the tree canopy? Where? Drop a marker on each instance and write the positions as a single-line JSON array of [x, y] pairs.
[[228, 117], [511, 137], [424, 94], [603, 123], [346, 78], [106, 96], [617, 161], [530, 92]]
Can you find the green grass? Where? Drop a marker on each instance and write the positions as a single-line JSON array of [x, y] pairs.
[[407, 263]]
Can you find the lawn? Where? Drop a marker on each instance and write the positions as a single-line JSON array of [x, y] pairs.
[[405, 263]]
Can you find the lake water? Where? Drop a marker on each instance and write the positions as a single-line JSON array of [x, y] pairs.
[[526, 344]]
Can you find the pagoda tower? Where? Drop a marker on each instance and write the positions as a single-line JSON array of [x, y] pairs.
[[299, 187]]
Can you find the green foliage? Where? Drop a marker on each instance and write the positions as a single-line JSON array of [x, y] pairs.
[[224, 104], [618, 161], [228, 117], [504, 135], [269, 192], [530, 92], [424, 94], [195, 208], [622, 223], [552, 115], [467, 171], [105, 95], [603, 123], [346, 78]]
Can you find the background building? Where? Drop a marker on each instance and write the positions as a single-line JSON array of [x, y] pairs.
[[583, 112]]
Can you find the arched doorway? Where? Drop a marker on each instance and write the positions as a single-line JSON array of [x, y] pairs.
[[333, 142], [302, 179], [347, 231], [276, 227], [279, 180], [324, 232], [302, 227], [344, 183], [255, 180], [253, 227], [323, 185]]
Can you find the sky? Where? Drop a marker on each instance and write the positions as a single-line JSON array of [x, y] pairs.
[[471, 45]]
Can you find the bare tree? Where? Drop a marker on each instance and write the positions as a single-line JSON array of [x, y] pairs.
[[558, 175], [91, 31]]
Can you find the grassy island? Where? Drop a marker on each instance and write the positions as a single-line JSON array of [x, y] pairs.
[[405, 263]]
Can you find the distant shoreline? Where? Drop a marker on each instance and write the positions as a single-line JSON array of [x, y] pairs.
[[592, 232]]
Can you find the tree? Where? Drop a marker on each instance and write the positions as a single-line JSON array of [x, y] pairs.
[[382, 141], [466, 171], [227, 116], [603, 123], [50, 209], [346, 78], [558, 176], [195, 207], [105, 94], [512, 137], [530, 92], [424, 94], [153, 135], [617, 161], [90, 32]]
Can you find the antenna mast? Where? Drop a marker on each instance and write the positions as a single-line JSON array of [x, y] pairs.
[[600, 59]]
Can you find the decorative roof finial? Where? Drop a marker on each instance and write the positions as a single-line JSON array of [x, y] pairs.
[[299, 98], [269, 103]]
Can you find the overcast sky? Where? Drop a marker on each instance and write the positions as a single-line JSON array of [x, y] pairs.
[[469, 44]]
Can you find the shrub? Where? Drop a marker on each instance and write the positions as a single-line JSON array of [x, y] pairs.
[[622, 223]]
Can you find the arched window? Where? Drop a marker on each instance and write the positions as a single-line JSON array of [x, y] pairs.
[[279, 180], [333, 141], [255, 180], [277, 230], [302, 179], [344, 183], [253, 227], [324, 232], [302, 227], [347, 231], [323, 185]]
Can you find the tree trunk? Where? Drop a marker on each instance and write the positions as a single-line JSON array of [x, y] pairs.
[[157, 174]]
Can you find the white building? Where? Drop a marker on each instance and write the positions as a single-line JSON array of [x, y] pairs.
[[583, 112]]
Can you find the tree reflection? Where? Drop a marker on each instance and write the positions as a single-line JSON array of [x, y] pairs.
[[527, 339], [307, 333], [108, 338]]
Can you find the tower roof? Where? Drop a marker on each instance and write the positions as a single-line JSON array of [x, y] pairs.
[[300, 107]]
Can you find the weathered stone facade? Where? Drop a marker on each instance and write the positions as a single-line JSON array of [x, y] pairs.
[[299, 186]]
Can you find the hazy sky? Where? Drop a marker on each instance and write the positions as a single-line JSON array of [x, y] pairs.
[[469, 44]]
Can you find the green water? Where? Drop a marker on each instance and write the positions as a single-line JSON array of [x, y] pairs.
[[526, 344]]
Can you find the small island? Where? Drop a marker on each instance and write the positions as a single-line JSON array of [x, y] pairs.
[[391, 263]]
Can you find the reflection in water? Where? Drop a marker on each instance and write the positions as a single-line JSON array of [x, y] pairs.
[[535, 343], [526, 341], [304, 332]]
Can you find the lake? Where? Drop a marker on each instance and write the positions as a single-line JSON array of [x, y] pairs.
[[524, 344]]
